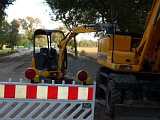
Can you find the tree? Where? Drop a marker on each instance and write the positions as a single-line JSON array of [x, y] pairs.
[[4, 33], [125, 13], [3, 5], [87, 43], [4, 26], [57, 37], [41, 41], [23, 41], [13, 34], [29, 24]]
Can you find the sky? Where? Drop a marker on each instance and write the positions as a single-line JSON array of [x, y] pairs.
[[34, 8], [38, 9]]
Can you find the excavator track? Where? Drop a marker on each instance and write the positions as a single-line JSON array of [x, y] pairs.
[[130, 97]]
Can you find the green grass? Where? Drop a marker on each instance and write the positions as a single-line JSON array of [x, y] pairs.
[[6, 52]]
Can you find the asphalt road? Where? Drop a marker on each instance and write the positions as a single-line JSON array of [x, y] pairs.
[[14, 67]]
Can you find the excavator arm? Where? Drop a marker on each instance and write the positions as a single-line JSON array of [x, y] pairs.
[[150, 35], [71, 34]]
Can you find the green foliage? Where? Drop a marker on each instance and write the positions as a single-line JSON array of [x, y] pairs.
[[6, 52], [9, 32], [126, 13], [13, 34], [23, 41], [57, 37], [9, 35], [41, 41], [29, 24], [3, 5], [4, 33]]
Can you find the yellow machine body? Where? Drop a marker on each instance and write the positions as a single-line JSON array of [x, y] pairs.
[[45, 56], [121, 52], [117, 54]]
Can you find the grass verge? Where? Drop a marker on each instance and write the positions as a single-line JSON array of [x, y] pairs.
[[6, 52]]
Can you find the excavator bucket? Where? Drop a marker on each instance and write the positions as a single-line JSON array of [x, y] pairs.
[[25, 101]]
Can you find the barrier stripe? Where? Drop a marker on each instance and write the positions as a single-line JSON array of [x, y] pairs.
[[42, 92], [82, 93], [90, 93], [20, 91], [31, 92], [2, 91], [51, 92], [9, 91], [62, 93], [73, 93]]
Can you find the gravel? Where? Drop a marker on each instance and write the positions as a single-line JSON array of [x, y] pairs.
[[82, 63]]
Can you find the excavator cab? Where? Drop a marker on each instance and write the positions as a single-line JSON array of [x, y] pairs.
[[45, 55]]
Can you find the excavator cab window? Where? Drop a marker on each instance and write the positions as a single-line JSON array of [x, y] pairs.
[[45, 48], [40, 42]]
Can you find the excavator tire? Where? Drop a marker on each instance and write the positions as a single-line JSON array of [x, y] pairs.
[[106, 91], [112, 97], [129, 96]]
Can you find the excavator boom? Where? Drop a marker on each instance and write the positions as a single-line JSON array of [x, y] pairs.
[[71, 34], [150, 35]]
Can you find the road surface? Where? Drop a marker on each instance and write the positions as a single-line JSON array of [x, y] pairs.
[[14, 67]]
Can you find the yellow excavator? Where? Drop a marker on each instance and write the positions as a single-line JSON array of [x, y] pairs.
[[130, 69], [45, 56], [49, 61]]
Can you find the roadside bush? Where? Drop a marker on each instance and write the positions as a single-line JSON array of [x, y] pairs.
[[82, 52]]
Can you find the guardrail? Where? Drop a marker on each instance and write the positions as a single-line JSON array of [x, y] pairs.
[[23, 101]]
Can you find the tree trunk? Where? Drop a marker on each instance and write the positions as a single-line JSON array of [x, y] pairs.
[[1, 46], [12, 47]]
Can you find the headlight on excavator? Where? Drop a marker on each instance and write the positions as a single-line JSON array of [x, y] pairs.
[[82, 76], [30, 73]]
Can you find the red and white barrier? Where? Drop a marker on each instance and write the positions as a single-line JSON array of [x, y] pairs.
[[50, 92]]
